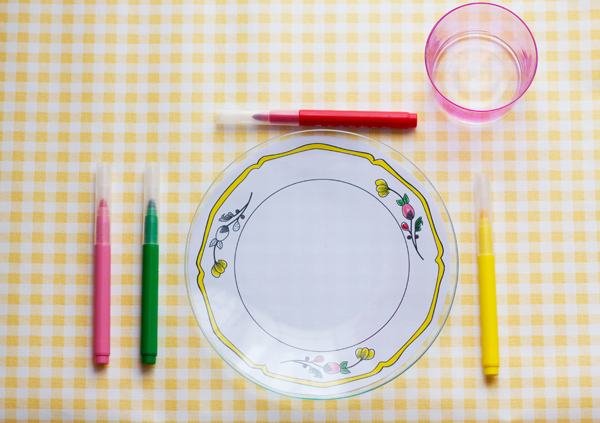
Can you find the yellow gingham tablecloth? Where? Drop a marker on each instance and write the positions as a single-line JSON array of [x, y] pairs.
[[84, 82]]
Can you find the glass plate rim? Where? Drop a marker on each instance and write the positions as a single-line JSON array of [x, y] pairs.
[[453, 284]]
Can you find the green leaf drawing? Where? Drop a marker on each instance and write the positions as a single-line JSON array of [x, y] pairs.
[[400, 202], [344, 371], [418, 224], [226, 217], [405, 199], [344, 364], [315, 372]]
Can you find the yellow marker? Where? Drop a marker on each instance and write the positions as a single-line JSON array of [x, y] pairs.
[[490, 354]]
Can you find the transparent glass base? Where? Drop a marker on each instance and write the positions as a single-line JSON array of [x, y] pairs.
[[477, 71], [288, 300]]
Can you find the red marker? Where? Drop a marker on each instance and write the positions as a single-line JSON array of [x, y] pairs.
[[396, 120]]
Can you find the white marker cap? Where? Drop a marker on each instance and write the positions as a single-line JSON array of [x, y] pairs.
[[103, 184], [152, 186]]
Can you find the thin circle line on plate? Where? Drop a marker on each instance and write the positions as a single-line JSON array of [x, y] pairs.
[[382, 364], [273, 336]]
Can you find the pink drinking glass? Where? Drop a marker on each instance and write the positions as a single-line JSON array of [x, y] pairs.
[[480, 58]]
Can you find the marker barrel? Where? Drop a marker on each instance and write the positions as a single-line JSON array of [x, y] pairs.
[[149, 347], [490, 354], [102, 303]]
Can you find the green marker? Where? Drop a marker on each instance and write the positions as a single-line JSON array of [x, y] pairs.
[[149, 347]]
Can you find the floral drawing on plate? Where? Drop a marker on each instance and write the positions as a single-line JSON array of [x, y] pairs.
[[316, 369], [301, 274], [230, 220], [407, 211]]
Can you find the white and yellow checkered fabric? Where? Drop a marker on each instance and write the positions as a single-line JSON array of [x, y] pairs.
[[131, 82]]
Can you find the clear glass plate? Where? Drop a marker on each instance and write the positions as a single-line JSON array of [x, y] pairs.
[[321, 264]]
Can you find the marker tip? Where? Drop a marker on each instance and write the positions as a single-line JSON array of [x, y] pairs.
[[261, 117]]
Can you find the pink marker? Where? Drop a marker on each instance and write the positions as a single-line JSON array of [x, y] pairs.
[[102, 265]]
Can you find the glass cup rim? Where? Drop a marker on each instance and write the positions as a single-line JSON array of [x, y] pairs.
[[475, 110]]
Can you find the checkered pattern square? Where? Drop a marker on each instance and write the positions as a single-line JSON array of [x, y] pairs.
[[135, 82]]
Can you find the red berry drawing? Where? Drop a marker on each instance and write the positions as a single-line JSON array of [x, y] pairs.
[[332, 368], [407, 211]]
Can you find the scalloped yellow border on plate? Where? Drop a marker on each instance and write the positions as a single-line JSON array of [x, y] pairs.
[[382, 364]]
